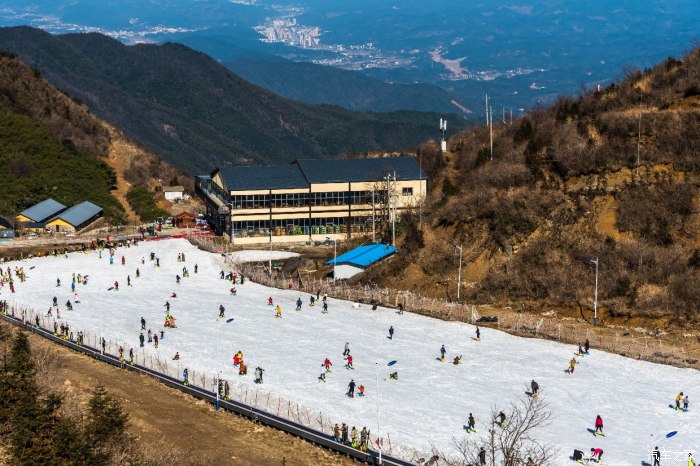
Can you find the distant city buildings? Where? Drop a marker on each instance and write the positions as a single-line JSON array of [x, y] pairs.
[[287, 30]]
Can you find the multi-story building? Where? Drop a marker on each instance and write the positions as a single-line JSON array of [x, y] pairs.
[[310, 200]]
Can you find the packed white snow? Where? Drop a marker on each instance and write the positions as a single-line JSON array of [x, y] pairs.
[[255, 255], [429, 403]]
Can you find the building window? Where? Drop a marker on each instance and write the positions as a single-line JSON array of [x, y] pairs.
[[407, 191]]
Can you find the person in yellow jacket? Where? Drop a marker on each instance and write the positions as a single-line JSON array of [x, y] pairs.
[[278, 309], [679, 398], [690, 459]]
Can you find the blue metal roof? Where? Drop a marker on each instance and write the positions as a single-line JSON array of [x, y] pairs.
[[244, 178], [79, 214], [365, 255], [357, 170], [43, 210]]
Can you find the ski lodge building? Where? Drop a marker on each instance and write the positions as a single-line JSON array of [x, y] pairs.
[[309, 200], [76, 218], [41, 212]]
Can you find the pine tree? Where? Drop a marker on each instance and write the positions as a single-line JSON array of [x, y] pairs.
[[106, 424]]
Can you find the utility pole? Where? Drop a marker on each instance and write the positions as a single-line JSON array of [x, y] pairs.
[[459, 270], [491, 130], [379, 435], [373, 215], [595, 296], [487, 110], [639, 133]]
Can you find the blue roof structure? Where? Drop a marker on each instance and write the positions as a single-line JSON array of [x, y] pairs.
[[252, 177], [80, 213], [365, 255], [358, 170], [43, 210]]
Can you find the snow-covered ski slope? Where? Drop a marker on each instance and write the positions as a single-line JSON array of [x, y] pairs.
[[427, 405]]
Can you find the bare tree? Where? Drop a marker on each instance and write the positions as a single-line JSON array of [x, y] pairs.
[[510, 445]]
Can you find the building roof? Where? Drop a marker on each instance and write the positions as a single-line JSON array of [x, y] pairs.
[[365, 255], [185, 215], [302, 173], [173, 189], [357, 170], [5, 223], [252, 177], [79, 214], [43, 210]]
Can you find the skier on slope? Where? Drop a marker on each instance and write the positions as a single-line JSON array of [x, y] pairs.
[[167, 306], [471, 423], [685, 403], [143, 323], [391, 332], [141, 339], [221, 310], [348, 364], [572, 366], [501, 418], [325, 307], [278, 311], [346, 351], [478, 334], [311, 301], [597, 454], [299, 304], [116, 285], [535, 389], [442, 353], [586, 346], [679, 398], [327, 364], [269, 301], [598, 426], [457, 360], [351, 388]]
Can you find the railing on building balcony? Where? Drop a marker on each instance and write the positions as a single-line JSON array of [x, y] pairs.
[[205, 187]]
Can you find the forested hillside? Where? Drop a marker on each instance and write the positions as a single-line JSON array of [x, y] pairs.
[[564, 185], [196, 113], [51, 145]]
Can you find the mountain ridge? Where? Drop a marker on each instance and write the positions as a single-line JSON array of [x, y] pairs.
[[197, 114]]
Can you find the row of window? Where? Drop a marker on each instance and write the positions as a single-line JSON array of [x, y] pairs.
[[263, 201], [302, 226]]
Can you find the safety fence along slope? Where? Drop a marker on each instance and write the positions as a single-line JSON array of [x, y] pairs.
[[240, 398]]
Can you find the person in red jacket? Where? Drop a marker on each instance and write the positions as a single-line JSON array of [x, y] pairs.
[[348, 365], [116, 286], [597, 454], [327, 364], [599, 426]]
